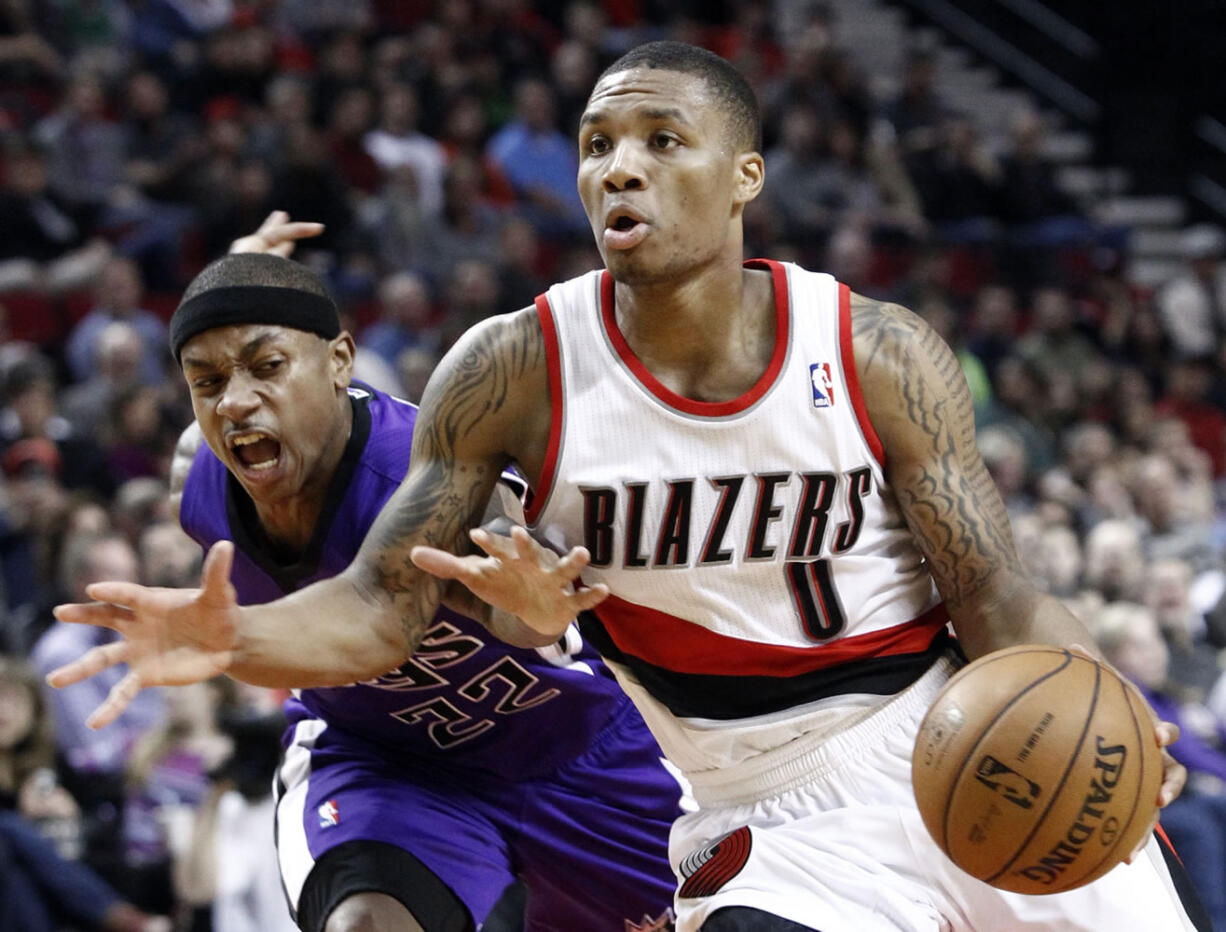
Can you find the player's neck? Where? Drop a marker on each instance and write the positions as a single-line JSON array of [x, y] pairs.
[[709, 338], [289, 522]]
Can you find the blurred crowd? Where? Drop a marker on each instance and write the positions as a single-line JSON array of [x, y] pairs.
[[435, 139]]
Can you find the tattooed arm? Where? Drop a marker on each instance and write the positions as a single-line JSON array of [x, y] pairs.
[[488, 401], [920, 406]]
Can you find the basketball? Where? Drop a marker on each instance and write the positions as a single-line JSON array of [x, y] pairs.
[[1036, 769]]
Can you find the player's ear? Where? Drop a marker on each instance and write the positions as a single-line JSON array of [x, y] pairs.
[[341, 351], [751, 175]]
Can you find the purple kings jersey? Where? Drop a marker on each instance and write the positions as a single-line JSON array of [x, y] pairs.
[[464, 697]]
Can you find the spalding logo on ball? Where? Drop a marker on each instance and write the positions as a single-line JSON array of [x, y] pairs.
[[1036, 769]]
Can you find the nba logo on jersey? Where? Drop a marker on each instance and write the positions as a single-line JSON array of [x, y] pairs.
[[329, 814], [823, 385]]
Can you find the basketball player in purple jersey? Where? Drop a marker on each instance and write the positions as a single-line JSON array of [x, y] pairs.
[[412, 799], [778, 484]]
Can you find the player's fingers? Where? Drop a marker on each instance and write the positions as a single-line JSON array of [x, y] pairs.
[[215, 576], [496, 545], [287, 234], [530, 551], [274, 219], [588, 598], [122, 595], [1174, 776], [1167, 732], [571, 565], [98, 614], [118, 699], [1136, 852], [442, 563], [92, 662]]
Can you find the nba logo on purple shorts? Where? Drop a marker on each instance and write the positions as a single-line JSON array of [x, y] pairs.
[[823, 384], [329, 814]]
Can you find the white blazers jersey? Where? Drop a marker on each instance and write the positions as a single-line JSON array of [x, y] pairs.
[[762, 575]]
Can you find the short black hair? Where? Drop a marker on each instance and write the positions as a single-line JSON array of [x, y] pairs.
[[256, 268], [254, 288], [724, 80]]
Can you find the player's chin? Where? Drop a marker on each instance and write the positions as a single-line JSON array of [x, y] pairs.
[[634, 268]]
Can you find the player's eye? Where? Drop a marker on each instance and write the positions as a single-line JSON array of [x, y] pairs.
[[597, 145], [665, 141], [269, 366]]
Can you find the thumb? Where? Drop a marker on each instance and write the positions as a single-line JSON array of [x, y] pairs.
[[440, 563], [215, 577]]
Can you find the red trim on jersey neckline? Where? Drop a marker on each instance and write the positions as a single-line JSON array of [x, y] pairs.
[[687, 647], [539, 492], [689, 405], [852, 378]]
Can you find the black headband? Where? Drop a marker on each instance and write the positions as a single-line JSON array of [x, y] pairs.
[[253, 304]]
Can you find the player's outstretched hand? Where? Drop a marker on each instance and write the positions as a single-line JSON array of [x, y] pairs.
[[169, 637], [277, 235], [519, 576]]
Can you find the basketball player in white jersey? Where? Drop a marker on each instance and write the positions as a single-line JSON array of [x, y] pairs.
[[777, 482]]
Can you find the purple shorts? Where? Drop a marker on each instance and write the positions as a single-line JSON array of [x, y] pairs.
[[590, 841]]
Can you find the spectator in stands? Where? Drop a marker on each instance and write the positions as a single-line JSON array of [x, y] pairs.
[[1054, 345], [41, 888], [349, 120], [308, 185], [1004, 454], [1192, 305], [162, 146], [471, 295], [1170, 502], [1041, 213], [414, 367], [167, 779], [1019, 400], [540, 162], [519, 263], [468, 227], [1114, 565], [48, 245], [88, 167], [168, 557], [799, 199], [993, 325], [286, 114], [30, 412], [119, 360], [1167, 593], [94, 754], [118, 297], [85, 145], [1190, 392], [134, 436], [1129, 638], [397, 142], [393, 221], [958, 182], [917, 113], [405, 318]]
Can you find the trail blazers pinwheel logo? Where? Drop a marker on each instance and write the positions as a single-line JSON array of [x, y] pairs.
[[708, 869]]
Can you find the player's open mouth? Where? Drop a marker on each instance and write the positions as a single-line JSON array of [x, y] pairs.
[[255, 450], [624, 229]]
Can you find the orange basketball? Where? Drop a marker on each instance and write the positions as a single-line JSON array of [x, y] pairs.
[[1037, 769]]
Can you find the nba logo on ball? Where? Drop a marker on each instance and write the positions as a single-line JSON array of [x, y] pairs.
[[823, 385]]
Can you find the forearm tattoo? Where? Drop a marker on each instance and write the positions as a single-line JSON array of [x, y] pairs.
[[448, 485], [946, 493]]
